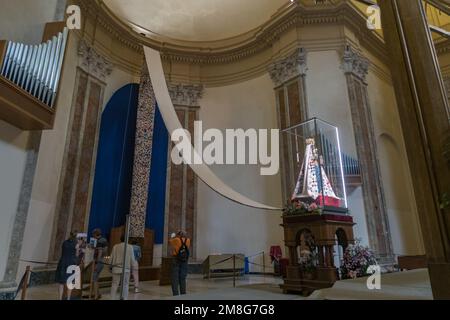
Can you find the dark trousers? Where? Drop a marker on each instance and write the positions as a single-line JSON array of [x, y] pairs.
[[179, 274]]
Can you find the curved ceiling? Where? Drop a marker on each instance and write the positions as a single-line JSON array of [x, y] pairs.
[[196, 20]]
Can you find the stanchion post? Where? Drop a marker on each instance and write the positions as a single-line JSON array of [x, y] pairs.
[[234, 271], [91, 283], [127, 237], [25, 283], [264, 263]]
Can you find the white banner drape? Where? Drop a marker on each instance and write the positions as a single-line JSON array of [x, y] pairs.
[[172, 122]]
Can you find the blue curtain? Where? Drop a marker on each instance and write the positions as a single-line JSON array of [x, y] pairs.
[[114, 168]]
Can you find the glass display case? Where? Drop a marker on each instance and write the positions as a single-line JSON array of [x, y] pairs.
[[317, 165]]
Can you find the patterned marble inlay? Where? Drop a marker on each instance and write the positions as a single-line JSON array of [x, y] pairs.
[[176, 190], [356, 68], [142, 156], [20, 219], [65, 200], [181, 198], [86, 158]]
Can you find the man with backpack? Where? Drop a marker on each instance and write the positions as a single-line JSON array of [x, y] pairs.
[[180, 246]]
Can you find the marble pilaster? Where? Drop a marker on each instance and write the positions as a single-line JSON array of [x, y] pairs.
[[289, 78], [181, 198], [356, 68]]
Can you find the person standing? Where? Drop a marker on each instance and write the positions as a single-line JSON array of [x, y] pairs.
[[180, 248], [118, 256], [137, 256], [70, 253], [100, 251]]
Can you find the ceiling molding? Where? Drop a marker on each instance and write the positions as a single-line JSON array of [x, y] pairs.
[[229, 51]]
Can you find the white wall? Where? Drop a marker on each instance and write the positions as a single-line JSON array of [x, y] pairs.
[[327, 94], [13, 143], [223, 226], [24, 20]]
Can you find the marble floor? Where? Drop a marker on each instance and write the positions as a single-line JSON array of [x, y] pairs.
[[253, 287], [411, 285]]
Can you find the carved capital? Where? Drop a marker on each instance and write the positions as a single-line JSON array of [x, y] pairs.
[[92, 62], [185, 95], [355, 64], [294, 65]]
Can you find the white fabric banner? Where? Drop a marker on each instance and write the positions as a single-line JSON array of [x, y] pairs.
[[172, 122]]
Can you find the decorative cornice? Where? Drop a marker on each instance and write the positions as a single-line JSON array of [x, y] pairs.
[[355, 64], [219, 52], [185, 95], [92, 62], [286, 69]]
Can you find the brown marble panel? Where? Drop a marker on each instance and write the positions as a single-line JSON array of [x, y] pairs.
[[176, 191], [70, 164], [190, 187], [295, 118], [374, 203], [284, 144], [86, 158]]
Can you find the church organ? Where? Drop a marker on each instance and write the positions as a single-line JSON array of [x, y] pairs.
[[29, 81]]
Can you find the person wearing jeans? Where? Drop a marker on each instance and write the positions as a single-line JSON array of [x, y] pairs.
[[179, 266], [117, 257]]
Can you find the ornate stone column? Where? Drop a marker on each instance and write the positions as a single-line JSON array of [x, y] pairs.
[[424, 115], [288, 75], [181, 185], [356, 68], [142, 155]]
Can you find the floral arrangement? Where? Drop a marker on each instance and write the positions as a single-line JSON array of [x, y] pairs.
[[357, 259], [301, 208]]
